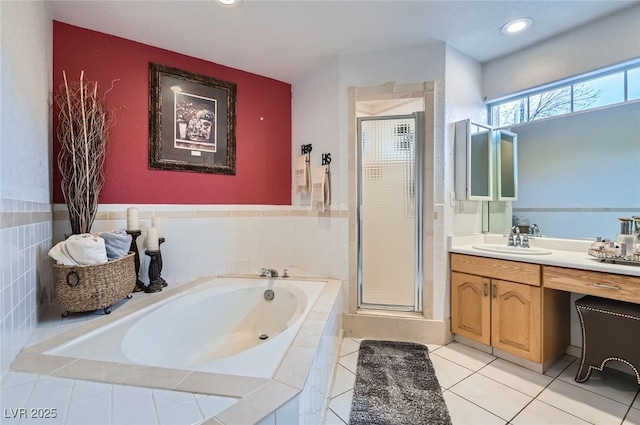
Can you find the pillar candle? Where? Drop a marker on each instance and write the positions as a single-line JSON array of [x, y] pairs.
[[157, 223], [132, 219], [153, 244]]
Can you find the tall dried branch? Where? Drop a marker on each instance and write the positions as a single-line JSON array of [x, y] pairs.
[[84, 120]]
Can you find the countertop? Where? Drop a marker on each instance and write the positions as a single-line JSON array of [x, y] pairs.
[[564, 253]]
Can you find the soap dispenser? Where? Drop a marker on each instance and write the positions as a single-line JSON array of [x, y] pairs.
[[627, 239]]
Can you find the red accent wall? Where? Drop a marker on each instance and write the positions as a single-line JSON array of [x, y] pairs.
[[263, 134]]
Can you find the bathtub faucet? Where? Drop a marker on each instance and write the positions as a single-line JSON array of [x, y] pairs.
[[268, 273]]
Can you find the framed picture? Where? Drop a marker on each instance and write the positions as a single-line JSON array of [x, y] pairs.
[[192, 122]]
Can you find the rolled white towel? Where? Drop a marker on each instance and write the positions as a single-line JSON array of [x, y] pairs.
[[116, 243], [87, 249], [60, 253]]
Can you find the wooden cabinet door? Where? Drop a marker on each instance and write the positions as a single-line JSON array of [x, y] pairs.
[[471, 307], [515, 319]]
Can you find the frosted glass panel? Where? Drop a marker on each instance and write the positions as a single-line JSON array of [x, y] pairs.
[[388, 223]]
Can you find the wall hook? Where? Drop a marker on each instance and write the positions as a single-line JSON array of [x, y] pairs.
[[326, 160], [306, 150]]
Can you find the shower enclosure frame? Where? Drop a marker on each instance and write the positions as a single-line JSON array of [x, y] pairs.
[[418, 164], [380, 323]]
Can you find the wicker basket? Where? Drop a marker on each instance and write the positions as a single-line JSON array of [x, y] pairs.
[[92, 287]]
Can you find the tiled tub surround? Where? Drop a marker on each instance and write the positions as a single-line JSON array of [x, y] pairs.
[[211, 240], [25, 272], [298, 388]]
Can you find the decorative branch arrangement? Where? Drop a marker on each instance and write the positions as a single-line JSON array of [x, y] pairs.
[[84, 121]]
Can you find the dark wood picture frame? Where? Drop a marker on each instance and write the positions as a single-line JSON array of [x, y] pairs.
[[192, 122]]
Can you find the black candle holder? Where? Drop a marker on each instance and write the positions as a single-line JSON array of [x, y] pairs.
[[134, 247], [164, 282], [155, 284]]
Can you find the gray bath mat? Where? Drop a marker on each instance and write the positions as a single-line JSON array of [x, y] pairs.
[[396, 385]]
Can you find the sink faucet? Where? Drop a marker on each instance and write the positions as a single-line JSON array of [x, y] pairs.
[[515, 241], [534, 230], [268, 273]]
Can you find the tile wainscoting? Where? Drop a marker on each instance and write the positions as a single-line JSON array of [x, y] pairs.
[[25, 272], [209, 240]]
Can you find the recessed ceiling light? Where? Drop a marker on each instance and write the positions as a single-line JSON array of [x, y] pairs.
[[229, 2], [516, 26]]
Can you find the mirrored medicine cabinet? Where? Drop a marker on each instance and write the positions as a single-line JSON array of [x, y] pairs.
[[486, 163]]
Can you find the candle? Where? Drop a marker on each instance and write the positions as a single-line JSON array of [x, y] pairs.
[[153, 244], [132, 219], [157, 223]]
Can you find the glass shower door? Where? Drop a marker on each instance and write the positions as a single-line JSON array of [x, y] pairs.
[[390, 165]]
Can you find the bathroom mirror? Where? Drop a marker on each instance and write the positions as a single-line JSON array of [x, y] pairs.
[[474, 161], [577, 174]]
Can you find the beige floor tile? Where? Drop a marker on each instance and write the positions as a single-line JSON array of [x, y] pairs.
[[447, 372], [47, 384], [433, 347], [333, 419], [557, 368], [344, 381], [584, 404], [15, 393], [11, 379], [465, 356], [610, 383], [348, 346], [341, 405], [463, 412], [636, 402], [633, 417], [524, 380], [140, 411], [498, 399], [539, 413], [350, 361]]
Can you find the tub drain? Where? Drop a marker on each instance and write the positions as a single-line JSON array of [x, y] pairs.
[[263, 336], [269, 295]]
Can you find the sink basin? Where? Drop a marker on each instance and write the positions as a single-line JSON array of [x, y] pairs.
[[512, 249]]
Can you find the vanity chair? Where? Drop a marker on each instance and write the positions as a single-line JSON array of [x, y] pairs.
[[610, 331]]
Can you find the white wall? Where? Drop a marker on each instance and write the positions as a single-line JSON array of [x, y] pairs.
[[588, 161], [463, 101], [314, 119], [609, 41], [25, 169], [27, 46], [403, 66]]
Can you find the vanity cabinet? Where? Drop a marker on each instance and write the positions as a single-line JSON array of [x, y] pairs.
[[501, 304], [486, 163]]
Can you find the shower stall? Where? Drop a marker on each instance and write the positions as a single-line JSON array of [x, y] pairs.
[[389, 169]]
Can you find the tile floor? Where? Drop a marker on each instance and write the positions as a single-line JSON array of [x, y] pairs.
[[480, 389]]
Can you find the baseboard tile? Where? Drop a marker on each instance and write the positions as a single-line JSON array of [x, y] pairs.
[[473, 344], [396, 328]]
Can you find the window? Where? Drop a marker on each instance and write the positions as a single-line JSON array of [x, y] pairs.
[[633, 84], [602, 89]]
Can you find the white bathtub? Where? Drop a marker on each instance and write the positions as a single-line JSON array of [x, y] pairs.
[[214, 327]]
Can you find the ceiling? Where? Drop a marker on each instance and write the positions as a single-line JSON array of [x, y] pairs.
[[286, 40]]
